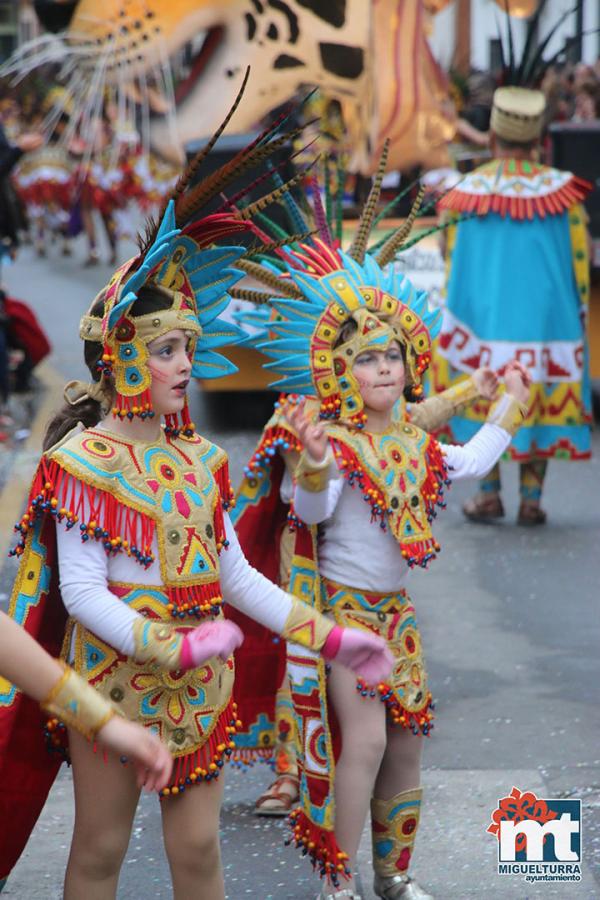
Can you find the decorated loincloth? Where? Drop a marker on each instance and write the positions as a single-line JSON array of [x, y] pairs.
[[392, 617]]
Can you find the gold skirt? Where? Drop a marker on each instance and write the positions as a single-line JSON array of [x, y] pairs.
[[392, 617], [192, 712]]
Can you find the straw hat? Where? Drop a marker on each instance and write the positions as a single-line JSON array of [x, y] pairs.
[[517, 114]]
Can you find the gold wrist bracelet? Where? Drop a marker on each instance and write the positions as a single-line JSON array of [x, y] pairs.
[[77, 704], [311, 476], [508, 413], [157, 644]]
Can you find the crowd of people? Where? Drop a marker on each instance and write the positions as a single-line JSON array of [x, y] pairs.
[[572, 92], [69, 181]]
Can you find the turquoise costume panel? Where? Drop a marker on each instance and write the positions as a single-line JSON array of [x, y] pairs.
[[517, 287]]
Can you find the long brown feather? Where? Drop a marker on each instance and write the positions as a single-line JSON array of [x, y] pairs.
[[199, 158], [215, 183], [359, 244], [395, 241], [258, 297], [283, 287], [146, 240], [275, 195]]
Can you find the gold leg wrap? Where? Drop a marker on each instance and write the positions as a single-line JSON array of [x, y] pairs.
[[394, 825]]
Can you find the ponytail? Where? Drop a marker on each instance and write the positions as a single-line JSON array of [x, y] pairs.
[[88, 412]]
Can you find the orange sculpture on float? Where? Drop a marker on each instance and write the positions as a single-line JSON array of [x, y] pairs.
[[373, 57]]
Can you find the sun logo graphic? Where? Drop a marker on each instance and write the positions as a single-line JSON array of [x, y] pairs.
[[540, 839]]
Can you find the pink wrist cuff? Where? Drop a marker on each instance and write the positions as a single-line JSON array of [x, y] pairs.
[[187, 660], [332, 643]]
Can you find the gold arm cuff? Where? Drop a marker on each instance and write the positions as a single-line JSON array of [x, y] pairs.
[[508, 413], [312, 476], [305, 626], [434, 412], [157, 644], [77, 704]]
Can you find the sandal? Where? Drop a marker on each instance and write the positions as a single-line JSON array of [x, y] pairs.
[[484, 508], [92, 260], [280, 799], [531, 514]]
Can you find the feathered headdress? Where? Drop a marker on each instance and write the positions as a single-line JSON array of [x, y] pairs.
[[317, 288], [179, 257]]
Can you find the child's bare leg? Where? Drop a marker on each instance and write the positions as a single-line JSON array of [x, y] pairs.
[[363, 728], [401, 766], [106, 798], [395, 815], [191, 833]]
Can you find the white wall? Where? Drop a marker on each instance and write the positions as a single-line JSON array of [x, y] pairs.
[[485, 16]]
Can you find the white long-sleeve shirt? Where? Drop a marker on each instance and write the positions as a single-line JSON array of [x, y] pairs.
[[355, 551], [85, 570]]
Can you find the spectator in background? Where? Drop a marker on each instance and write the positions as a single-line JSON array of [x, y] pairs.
[[587, 97], [10, 224], [10, 219]]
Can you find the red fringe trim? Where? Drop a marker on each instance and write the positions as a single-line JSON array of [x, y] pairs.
[[432, 491], [519, 208], [174, 428], [321, 846], [205, 764], [194, 600], [127, 407], [101, 516], [221, 476], [48, 193]]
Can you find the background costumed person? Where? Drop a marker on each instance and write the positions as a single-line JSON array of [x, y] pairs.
[[525, 240], [142, 510], [355, 335]]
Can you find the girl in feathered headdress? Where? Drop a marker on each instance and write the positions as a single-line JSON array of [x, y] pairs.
[[365, 493], [127, 553]]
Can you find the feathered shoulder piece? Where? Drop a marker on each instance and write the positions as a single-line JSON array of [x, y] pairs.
[[516, 188]]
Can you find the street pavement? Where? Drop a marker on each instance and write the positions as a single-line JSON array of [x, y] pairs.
[[511, 631]]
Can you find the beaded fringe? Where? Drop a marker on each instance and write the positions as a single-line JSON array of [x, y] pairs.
[[246, 757], [320, 846], [99, 515], [205, 764], [416, 553]]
